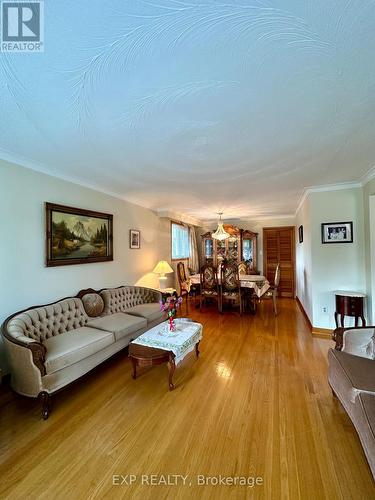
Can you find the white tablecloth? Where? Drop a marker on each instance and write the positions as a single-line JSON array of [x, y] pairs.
[[259, 284], [180, 342]]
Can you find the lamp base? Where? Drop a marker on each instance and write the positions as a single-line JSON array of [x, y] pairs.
[[163, 282]]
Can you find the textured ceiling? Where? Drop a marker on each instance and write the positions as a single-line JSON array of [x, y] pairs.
[[195, 105]]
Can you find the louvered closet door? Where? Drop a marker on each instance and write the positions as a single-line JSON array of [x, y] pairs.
[[278, 246]]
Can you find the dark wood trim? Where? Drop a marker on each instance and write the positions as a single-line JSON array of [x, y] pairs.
[[38, 350], [45, 397], [50, 262], [85, 291]]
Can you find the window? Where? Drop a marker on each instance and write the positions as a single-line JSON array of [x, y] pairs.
[[180, 242]]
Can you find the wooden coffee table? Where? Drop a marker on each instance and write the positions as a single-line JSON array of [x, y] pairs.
[[149, 356], [151, 348]]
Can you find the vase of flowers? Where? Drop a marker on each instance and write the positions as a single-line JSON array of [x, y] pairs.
[[170, 305]]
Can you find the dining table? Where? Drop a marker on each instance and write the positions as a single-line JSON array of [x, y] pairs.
[[258, 283]]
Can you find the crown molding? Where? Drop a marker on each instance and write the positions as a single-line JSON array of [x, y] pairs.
[[21, 161], [325, 188], [368, 177], [187, 219]]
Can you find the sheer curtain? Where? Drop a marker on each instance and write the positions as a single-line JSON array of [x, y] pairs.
[[193, 258], [180, 241]]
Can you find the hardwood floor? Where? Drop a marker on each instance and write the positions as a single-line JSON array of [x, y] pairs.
[[256, 404]]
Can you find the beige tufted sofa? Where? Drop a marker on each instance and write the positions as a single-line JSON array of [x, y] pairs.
[[51, 346]]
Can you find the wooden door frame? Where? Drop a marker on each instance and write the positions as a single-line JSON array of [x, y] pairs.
[[278, 228]]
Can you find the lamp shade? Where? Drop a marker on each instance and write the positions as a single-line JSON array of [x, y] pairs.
[[162, 267]]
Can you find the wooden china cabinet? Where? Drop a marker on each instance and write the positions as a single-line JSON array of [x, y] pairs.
[[241, 245]]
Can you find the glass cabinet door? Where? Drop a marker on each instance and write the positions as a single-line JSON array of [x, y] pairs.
[[247, 250], [220, 250], [209, 248], [232, 249]]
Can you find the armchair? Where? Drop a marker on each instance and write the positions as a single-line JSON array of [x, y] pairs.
[[351, 375], [359, 341]]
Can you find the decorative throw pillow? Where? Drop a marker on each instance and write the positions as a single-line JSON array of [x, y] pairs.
[[93, 304]]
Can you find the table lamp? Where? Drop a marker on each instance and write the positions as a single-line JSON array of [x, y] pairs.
[[162, 268]]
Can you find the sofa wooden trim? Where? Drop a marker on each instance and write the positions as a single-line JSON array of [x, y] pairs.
[[38, 350]]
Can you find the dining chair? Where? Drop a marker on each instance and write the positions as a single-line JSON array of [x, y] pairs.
[[272, 292], [183, 283], [195, 288], [209, 285], [230, 285], [275, 287]]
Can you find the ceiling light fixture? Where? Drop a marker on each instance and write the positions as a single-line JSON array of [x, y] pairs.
[[220, 233]]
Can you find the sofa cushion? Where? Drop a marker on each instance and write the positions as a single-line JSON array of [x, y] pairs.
[[359, 371], [120, 324], [71, 347], [149, 311]]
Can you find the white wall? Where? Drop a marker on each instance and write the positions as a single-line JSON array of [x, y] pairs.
[[26, 281], [369, 223], [303, 259], [333, 267]]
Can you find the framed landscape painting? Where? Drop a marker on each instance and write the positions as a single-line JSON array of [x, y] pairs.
[[77, 236], [337, 232]]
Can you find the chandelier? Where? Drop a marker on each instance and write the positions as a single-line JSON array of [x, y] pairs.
[[220, 233]]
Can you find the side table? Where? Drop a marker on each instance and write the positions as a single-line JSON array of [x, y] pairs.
[[168, 292], [349, 304]]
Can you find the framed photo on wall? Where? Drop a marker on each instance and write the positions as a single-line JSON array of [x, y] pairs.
[[300, 234], [134, 239], [77, 236], [337, 232]]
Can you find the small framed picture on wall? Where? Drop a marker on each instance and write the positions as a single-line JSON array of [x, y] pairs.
[[337, 232], [134, 239], [300, 234]]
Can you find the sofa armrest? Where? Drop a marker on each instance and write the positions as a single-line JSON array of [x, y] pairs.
[[157, 295], [37, 349], [353, 340], [39, 356]]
